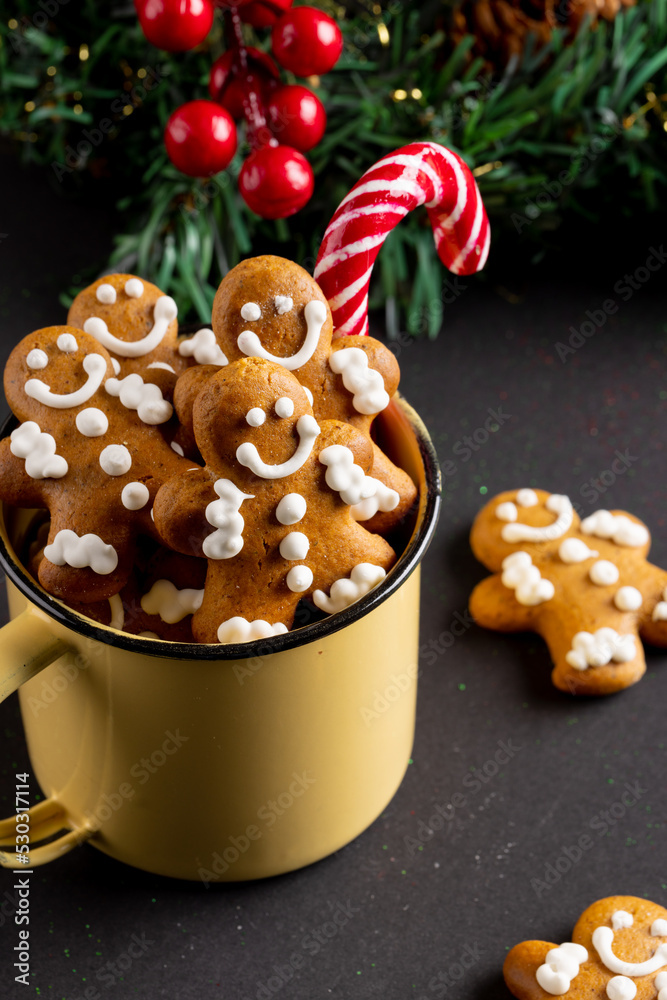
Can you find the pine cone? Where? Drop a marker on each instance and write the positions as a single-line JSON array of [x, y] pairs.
[[502, 27]]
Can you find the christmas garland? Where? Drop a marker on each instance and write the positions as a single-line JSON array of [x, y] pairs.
[[574, 125]]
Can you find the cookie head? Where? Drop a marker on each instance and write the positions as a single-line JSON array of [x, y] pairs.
[[130, 317], [54, 371], [520, 519], [270, 308], [254, 416]]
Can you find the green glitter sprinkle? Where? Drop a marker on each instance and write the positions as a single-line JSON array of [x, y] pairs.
[[483, 490], [461, 687]]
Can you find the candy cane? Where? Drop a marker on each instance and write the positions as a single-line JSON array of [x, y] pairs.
[[418, 174]]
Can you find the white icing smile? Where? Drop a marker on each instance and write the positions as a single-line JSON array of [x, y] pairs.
[[519, 532], [308, 430], [603, 939], [95, 368], [164, 313], [315, 313]]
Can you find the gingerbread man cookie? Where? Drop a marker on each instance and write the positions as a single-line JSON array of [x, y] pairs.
[[618, 952], [585, 586], [89, 449], [270, 308], [137, 325], [271, 509]]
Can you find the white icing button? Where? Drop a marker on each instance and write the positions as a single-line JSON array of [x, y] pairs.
[[37, 359], [291, 509], [255, 417], [659, 929], [115, 459], [134, 288], [284, 407], [299, 579], [573, 550], [603, 573], [115, 365], [251, 311], [527, 498], [660, 612], [507, 511], [135, 496], [621, 919], [628, 599], [175, 446], [294, 546], [621, 988], [92, 422], [283, 304], [106, 293], [67, 343]]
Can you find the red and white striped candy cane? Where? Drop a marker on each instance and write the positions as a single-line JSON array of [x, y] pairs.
[[422, 173]]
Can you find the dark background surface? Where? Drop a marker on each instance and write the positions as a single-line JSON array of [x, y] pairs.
[[414, 917]]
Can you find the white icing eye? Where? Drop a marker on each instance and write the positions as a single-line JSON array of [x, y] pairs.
[[115, 459], [92, 422], [251, 311], [603, 573], [507, 511], [299, 579], [621, 919], [527, 498], [294, 546], [135, 496], [37, 359], [628, 599], [134, 288], [308, 394], [659, 929], [291, 509], [283, 304], [106, 293], [116, 366], [255, 417], [67, 343], [284, 407]]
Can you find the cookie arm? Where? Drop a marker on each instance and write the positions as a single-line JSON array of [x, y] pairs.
[[494, 606], [16, 486], [653, 628], [520, 968], [179, 511], [380, 358]]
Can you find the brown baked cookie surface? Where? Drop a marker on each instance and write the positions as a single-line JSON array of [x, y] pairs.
[[88, 449], [271, 510], [585, 586], [618, 952], [270, 308]]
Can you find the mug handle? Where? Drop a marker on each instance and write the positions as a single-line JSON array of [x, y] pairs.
[[29, 645]]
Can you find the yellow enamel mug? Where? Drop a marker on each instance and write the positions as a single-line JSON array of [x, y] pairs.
[[218, 762]]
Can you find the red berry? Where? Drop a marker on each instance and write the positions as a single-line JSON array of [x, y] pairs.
[[227, 86], [264, 13], [276, 181], [306, 41], [200, 138], [297, 117], [175, 25]]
